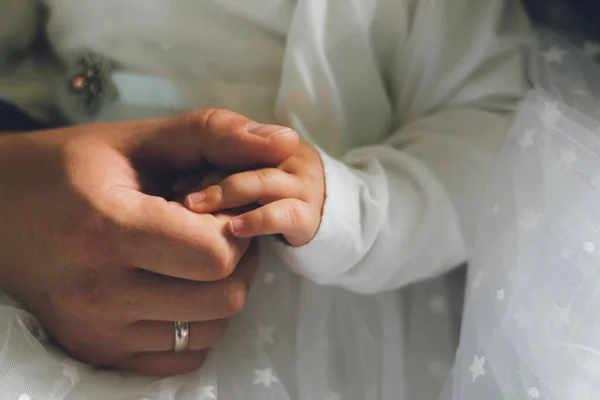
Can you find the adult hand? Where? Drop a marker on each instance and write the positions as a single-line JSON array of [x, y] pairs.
[[106, 266]]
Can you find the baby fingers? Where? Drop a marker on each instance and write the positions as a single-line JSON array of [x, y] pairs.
[[260, 186], [296, 220]]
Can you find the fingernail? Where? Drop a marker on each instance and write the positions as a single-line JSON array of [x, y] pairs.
[[196, 198], [267, 131], [236, 225]]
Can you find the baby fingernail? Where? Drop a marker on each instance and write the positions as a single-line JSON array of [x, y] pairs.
[[196, 198], [236, 225], [267, 131]]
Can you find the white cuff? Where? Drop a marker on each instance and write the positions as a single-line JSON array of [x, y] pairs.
[[330, 253]]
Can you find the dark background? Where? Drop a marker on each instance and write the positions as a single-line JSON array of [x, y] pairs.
[[577, 17]]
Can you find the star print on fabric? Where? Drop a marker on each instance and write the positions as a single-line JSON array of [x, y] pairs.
[[496, 209], [568, 158], [264, 377], [437, 304], [530, 221], [591, 49], [500, 295], [523, 319], [477, 368], [566, 254], [526, 140], [589, 247], [554, 55], [533, 393], [24, 396], [72, 372], [551, 112], [264, 335], [207, 393], [269, 277], [560, 315]]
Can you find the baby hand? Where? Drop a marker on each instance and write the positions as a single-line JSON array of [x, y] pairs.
[[291, 195]]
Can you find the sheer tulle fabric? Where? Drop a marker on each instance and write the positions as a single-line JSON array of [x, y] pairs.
[[531, 327]]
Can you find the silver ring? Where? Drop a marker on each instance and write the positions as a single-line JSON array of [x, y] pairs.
[[182, 335]]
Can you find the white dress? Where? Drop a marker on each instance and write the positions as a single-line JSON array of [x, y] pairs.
[[408, 100]]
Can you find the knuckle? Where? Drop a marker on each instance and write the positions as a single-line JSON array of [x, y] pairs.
[[209, 118], [262, 176], [292, 213]]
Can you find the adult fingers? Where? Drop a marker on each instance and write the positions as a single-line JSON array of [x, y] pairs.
[[219, 137], [158, 336], [165, 364], [166, 238], [151, 297]]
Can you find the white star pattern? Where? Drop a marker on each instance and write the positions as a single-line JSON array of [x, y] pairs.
[[72, 372], [551, 112], [560, 315], [592, 49], [264, 335], [477, 279], [500, 295], [530, 221], [207, 393], [526, 140], [437, 304], [477, 368], [269, 277], [568, 158], [589, 247], [533, 393], [496, 209], [523, 319], [24, 397], [554, 54], [264, 377], [566, 254]]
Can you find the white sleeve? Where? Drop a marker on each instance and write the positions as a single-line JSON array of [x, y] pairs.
[[27, 71], [406, 210]]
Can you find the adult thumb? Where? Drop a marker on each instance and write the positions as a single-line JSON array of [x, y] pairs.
[[220, 138]]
